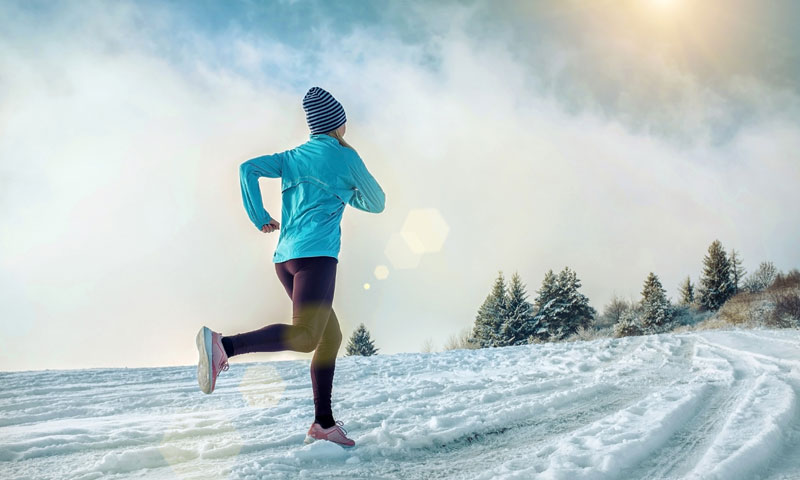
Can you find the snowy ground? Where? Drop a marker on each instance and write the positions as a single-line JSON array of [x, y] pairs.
[[718, 404]]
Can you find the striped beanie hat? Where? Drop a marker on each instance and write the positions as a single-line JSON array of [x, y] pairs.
[[323, 112]]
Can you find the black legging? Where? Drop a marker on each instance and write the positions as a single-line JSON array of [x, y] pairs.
[[310, 282]]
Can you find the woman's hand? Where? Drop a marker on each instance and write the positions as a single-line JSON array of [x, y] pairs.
[[271, 226]]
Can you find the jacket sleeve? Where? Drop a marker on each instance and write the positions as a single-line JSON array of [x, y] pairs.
[[368, 195], [249, 173]]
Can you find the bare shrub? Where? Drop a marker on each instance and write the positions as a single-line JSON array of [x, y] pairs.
[[688, 315], [787, 311], [555, 337], [738, 309], [460, 341], [683, 329], [586, 334], [605, 332], [787, 281], [713, 322], [761, 278], [612, 312], [535, 340], [427, 346]]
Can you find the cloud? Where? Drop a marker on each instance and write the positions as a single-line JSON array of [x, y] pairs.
[[696, 74]]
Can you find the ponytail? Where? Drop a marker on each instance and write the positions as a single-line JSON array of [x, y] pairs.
[[342, 142]]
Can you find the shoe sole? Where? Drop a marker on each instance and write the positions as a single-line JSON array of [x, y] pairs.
[[204, 369], [309, 439]]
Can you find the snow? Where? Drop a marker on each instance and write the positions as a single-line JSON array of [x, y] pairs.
[[703, 405]]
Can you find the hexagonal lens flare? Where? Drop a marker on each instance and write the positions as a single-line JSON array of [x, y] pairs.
[[399, 253], [381, 272], [424, 230]]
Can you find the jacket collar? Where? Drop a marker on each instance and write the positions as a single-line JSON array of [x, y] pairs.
[[322, 136]]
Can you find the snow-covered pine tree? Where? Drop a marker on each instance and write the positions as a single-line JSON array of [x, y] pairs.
[[561, 308], [737, 270], [656, 311], [715, 283], [579, 313], [517, 326], [546, 307], [687, 292], [628, 324], [491, 314], [360, 343]]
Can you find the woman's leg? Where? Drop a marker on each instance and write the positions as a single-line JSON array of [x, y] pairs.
[[310, 281], [322, 366]]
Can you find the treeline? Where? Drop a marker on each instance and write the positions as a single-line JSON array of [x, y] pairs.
[[560, 311], [506, 317]]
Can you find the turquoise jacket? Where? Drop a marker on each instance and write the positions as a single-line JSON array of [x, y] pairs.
[[318, 178]]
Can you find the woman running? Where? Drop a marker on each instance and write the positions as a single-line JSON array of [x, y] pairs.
[[318, 178]]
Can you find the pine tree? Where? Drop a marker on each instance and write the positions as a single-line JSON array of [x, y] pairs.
[[491, 313], [628, 324], [687, 292], [737, 270], [656, 311], [360, 343], [517, 326], [561, 308], [546, 307], [579, 312], [715, 283]]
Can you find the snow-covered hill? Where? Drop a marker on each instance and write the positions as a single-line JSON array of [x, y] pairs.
[[716, 404]]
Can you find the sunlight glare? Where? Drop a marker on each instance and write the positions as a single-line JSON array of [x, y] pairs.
[[663, 4]]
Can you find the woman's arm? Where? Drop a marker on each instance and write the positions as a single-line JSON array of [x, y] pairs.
[[249, 173], [368, 195]]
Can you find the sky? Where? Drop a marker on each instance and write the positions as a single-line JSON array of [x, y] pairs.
[[613, 137]]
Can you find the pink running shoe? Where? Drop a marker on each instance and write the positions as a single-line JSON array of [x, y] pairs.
[[212, 358], [335, 434]]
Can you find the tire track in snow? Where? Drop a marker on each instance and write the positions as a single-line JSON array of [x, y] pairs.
[[508, 443], [787, 462], [686, 445], [761, 433], [606, 446]]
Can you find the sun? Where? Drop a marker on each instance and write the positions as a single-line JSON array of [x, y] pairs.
[[663, 4], [662, 12]]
